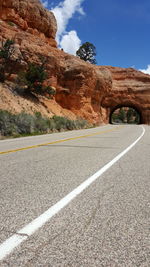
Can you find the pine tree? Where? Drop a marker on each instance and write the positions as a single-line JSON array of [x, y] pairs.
[[87, 52]]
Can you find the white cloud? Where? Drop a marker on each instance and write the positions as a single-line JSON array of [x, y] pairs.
[[63, 13], [146, 71], [70, 42], [45, 3]]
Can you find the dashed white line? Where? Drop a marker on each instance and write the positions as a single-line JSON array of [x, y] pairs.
[[7, 246]]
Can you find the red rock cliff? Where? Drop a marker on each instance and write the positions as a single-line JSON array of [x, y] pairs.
[[129, 88], [30, 16], [82, 90]]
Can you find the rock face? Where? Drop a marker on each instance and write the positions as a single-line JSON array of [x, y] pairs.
[[129, 88], [30, 16], [82, 90]]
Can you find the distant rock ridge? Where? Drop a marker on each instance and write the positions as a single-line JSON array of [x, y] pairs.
[[82, 90]]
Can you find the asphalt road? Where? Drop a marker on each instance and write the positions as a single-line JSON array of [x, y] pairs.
[[107, 224]]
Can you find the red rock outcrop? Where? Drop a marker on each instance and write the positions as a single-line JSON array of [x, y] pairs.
[[31, 17], [80, 86], [129, 88], [82, 90]]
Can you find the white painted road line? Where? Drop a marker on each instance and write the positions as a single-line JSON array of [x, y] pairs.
[[7, 246]]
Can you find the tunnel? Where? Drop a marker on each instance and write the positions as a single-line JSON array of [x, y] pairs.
[[125, 114]]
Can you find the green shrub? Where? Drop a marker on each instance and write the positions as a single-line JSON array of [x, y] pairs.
[[81, 124], [70, 125], [60, 122], [6, 51], [26, 124], [49, 90], [41, 124], [10, 23], [7, 123], [35, 76]]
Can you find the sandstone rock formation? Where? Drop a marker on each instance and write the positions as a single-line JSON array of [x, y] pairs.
[[129, 88], [82, 90], [30, 16]]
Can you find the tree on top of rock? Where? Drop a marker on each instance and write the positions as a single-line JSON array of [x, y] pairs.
[[87, 52]]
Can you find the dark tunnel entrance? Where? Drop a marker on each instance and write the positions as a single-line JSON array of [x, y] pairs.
[[125, 115]]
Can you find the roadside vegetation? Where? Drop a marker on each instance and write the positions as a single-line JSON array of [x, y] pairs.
[[30, 80], [24, 124]]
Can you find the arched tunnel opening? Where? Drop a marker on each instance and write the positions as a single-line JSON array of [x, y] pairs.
[[125, 115]]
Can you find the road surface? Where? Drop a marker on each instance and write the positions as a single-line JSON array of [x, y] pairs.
[[78, 198]]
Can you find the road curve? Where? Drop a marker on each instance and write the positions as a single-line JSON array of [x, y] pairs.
[[105, 224]]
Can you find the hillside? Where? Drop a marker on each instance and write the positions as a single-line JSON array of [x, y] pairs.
[[82, 90]]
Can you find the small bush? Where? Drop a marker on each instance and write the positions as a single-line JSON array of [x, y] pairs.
[[10, 23], [33, 79], [7, 123], [6, 52], [49, 90], [41, 124], [26, 124], [81, 124], [60, 123], [35, 76]]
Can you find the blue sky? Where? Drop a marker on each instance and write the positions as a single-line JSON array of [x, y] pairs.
[[119, 29]]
